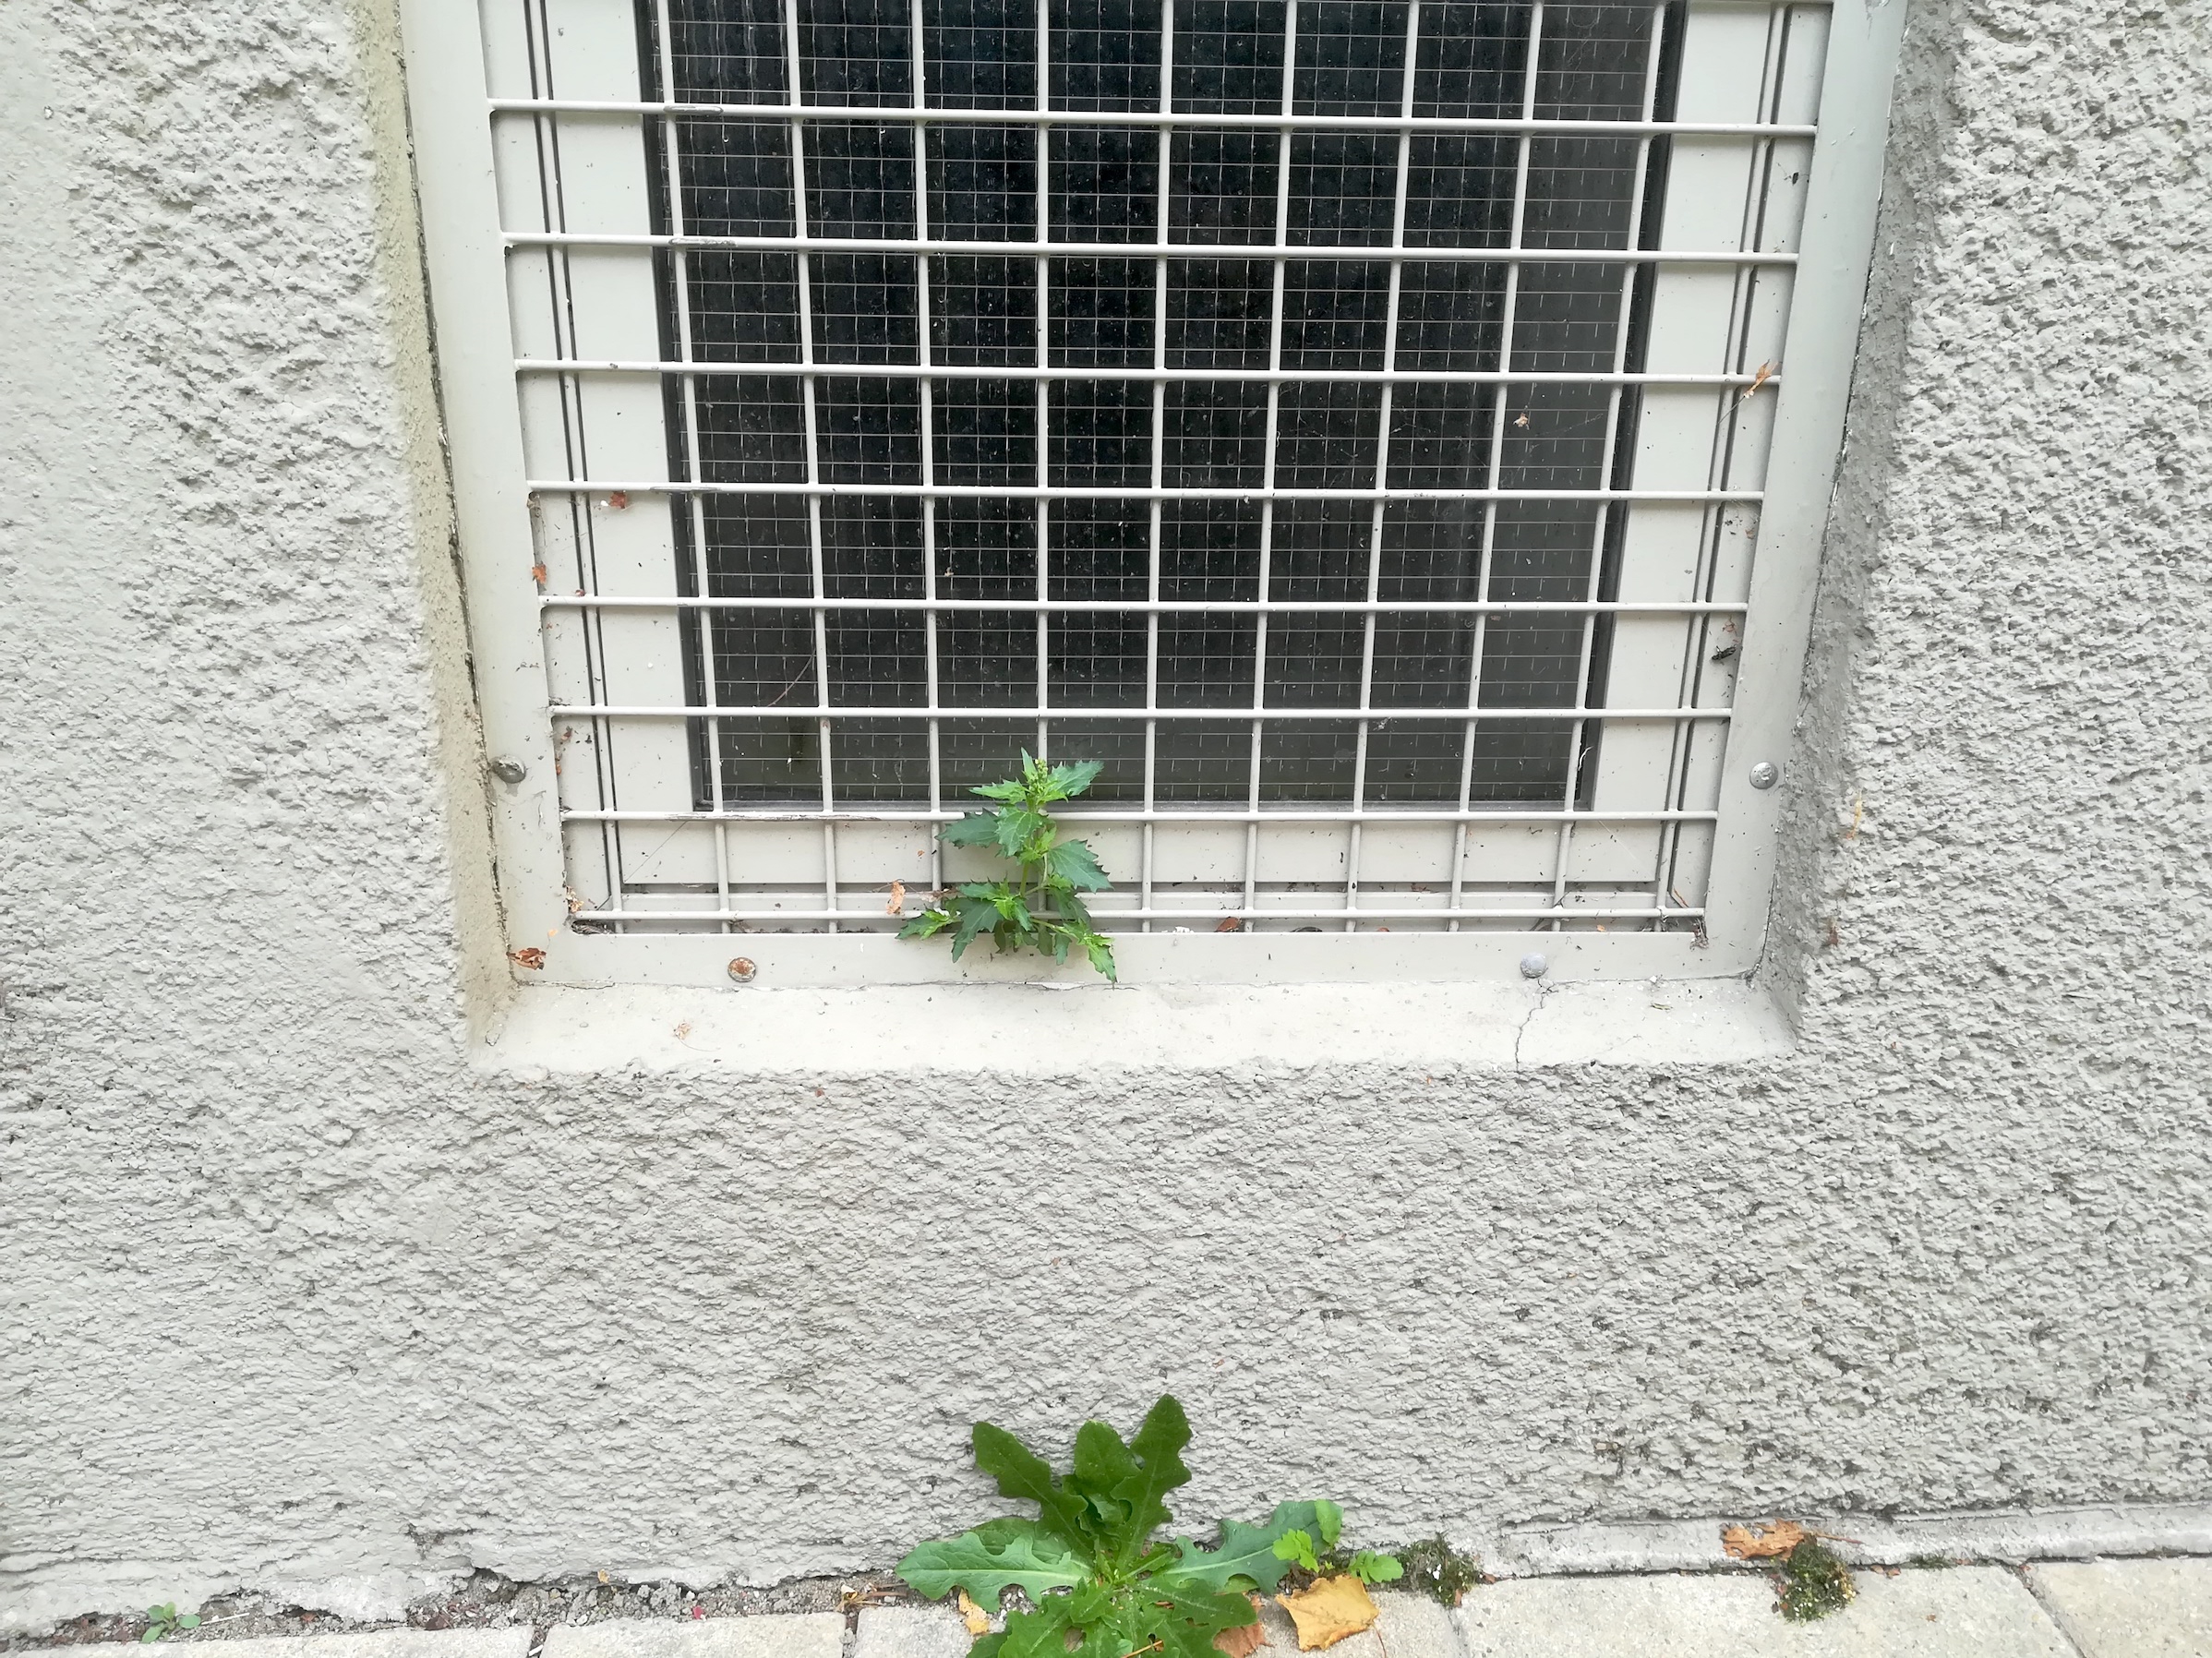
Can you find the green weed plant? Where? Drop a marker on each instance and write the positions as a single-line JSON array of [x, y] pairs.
[[1097, 1581], [1041, 907]]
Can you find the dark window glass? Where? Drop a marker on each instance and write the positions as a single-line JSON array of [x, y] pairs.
[[1176, 352]]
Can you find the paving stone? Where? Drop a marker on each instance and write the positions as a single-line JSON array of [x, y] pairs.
[[1412, 1625], [788, 1635], [360, 1643], [2131, 1608], [1968, 1613], [911, 1633]]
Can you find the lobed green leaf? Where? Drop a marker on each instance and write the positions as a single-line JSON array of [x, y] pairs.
[[997, 1555], [1022, 1474]]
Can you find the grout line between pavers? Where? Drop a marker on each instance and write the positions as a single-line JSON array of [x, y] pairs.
[[2024, 1571]]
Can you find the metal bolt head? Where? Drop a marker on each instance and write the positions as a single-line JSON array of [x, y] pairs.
[[743, 969], [1533, 966], [1765, 775], [510, 771]]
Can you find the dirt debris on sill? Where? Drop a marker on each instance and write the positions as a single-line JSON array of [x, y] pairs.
[[487, 1601]]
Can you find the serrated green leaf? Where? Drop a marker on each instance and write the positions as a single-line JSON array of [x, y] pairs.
[[1041, 1633], [1066, 782], [1296, 1548], [1330, 1521], [1102, 956], [1017, 826], [976, 829], [1157, 1451], [1102, 1464], [928, 924], [1247, 1555], [1073, 863], [1022, 1474], [1369, 1567], [995, 1556], [977, 915], [1193, 1615], [1010, 791]]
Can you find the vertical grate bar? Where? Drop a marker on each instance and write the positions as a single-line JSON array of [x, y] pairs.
[[1281, 264], [817, 564], [1163, 188], [1578, 751], [916, 26], [680, 284]]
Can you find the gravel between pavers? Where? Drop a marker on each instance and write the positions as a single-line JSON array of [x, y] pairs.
[[487, 1601]]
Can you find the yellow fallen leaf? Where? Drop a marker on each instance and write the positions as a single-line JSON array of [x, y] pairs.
[[974, 1616], [1767, 1542], [1328, 1611]]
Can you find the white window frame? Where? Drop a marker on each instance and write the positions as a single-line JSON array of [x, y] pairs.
[[468, 267]]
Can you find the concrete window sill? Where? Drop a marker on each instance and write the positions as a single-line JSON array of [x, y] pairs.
[[1046, 1030]]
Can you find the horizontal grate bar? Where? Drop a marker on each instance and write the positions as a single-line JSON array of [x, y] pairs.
[[1087, 493], [1150, 250], [1373, 377], [1381, 816], [1031, 712], [869, 114], [597, 919], [558, 601]]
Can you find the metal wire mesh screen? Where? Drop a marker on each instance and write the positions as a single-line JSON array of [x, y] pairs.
[[1242, 393]]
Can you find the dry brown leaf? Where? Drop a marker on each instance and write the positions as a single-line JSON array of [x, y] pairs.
[[1242, 1640], [976, 1619], [899, 898], [618, 499], [1328, 1611], [530, 957], [1765, 373], [1230, 925], [1767, 1542]]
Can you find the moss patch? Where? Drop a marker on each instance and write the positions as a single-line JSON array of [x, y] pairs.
[[1439, 1571], [1812, 1582]]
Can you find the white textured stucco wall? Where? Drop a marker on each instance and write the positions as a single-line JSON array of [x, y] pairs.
[[293, 1293]]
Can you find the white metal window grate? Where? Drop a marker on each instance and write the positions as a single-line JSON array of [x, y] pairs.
[[1346, 420]]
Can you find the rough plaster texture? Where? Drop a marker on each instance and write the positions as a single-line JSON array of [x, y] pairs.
[[296, 1295]]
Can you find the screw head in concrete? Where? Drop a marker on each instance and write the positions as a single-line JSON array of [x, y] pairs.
[[1765, 775], [743, 969], [510, 771], [1533, 966]]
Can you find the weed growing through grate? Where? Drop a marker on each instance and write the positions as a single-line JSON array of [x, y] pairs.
[[1042, 907], [1089, 1567]]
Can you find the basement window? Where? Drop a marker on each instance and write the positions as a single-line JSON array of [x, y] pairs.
[[1353, 423]]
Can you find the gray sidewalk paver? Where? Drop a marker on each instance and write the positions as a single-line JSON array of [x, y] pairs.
[[1976, 1612], [911, 1633], [358, 1643], [2130, 1608], [786, 1634]]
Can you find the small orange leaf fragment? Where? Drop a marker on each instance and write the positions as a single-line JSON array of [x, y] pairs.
[[1765, 373], [1230, 924], [899, 898], [1241, 1641], [974, 1616], [531, 957], [537, 575], [1766, 1541], [1328, 1611], [617, 498]]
